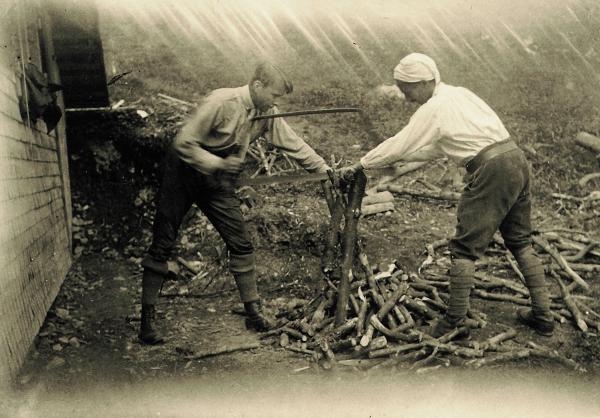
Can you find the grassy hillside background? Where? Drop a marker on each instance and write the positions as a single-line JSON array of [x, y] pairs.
[[534, 62]]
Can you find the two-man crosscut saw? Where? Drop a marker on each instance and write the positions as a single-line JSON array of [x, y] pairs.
[[294, 177], [297, 177]]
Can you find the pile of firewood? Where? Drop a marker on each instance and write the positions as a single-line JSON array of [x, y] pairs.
[[381, 318], [389, 318], [269, 160]]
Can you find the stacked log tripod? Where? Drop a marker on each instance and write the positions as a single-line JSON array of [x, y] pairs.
[[346, 241]]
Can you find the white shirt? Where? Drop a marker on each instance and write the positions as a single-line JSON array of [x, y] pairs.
[[453, 123]]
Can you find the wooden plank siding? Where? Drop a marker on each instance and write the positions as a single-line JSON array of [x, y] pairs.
[[35, 205]]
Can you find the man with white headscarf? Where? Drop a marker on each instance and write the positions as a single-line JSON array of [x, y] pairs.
[[454, 122]]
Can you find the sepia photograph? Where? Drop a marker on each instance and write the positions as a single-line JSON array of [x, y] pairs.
[[299, 208]]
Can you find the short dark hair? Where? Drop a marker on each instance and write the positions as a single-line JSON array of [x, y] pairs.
[[268, 74]]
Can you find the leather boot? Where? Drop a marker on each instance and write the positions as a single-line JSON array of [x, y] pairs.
[[151, 284], [148, 333], [540, 324], [257, 319]]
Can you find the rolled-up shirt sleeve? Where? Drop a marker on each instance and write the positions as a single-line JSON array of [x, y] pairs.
[[415, 142], [282, 136], [188, 142]]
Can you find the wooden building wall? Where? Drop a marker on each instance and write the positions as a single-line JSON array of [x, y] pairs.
[[35, 215]]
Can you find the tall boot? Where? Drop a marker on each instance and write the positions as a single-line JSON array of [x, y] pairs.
[[538, 317], [461, 281], [151, 284], [257, 319]]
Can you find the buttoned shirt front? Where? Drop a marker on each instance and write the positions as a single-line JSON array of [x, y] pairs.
[[453, 123], [223, 121]]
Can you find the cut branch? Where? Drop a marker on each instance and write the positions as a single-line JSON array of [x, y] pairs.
[[442, 195], [561, 261]]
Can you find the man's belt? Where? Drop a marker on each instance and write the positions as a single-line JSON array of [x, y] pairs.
[[490, 152]]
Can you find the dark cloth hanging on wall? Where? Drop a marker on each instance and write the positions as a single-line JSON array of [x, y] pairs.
[[41, 98]]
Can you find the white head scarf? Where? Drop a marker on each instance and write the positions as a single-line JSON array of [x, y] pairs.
[[416, 67]]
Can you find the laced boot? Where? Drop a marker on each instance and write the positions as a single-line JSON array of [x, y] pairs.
[[151, 285], [257, 319], [148, 332], [540, 324]]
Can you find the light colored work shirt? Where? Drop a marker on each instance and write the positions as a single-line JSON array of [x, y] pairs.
[[222, 121], [453, 123]]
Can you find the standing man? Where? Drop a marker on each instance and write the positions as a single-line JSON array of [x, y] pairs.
[[201, 168], [454, 122]]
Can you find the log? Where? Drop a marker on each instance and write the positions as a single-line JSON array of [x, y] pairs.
[[175, 100], [301, 350], [561, 261], [581, 253], [500, 282], [507, 356], [355, 195], [331, 247], [366, 338], [408, 319], [396, 334], [397, 171], [375, 208], [443, 195], [576, 243], [588, 268], [362, 316], [588, 141], [341, 330], [457, 332], [226, 349], [322, 325], [391, 302], [354, 304], [500, 297], [343, 345], [587, 178], [426, 361], [394, 350], [454, 349], [378, 343], [565, 313], [589, 198], [379, 197], [545, 352], [293, 333], [326, 349], [496, 340], [570, 303], [419, 307]]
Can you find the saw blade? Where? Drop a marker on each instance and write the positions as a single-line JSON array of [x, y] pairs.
[[301, 177]]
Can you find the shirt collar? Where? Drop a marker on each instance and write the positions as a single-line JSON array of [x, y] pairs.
[[244, 93], [440, 86]]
